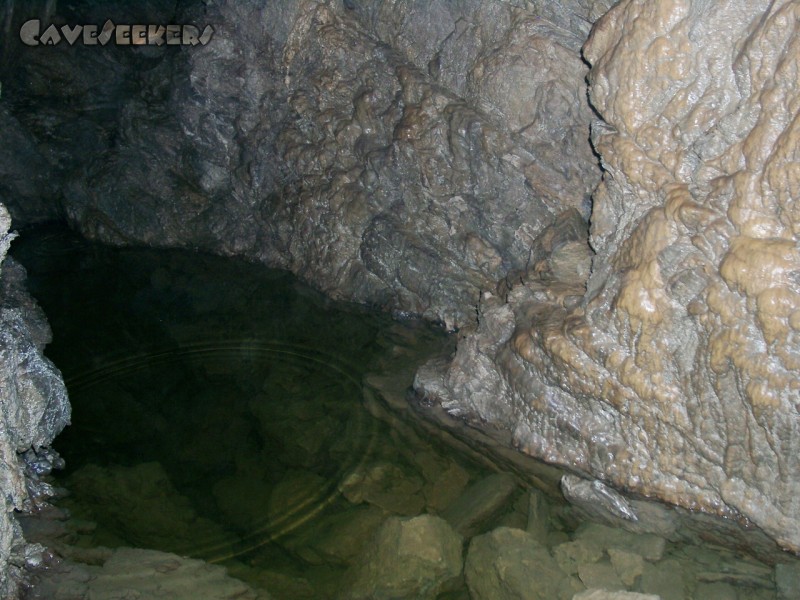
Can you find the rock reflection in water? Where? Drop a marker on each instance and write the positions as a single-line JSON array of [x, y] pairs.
[[219, 412]]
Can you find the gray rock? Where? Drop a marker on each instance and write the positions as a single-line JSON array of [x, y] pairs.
[[413, 169], [538, 524], [596, 594], [33, 408], [480, 503], [427, 550], [136, 573], [666, 579], [510, 564], [787, 580]]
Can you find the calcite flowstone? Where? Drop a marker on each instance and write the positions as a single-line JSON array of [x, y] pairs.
[[675, 375]]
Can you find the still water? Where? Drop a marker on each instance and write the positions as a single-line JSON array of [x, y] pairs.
[[220, 412]]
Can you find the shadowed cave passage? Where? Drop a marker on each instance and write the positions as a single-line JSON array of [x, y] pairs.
[[221, 411]]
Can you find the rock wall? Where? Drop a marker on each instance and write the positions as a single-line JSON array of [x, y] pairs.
[[675, 376], [397, 152], [433, 157], [33, 409]]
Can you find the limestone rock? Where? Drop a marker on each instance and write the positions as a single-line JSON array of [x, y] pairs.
[[33, 409], [141, 506], [136, 573], [428, 550], [596, 594], [674, 375], [510, 564], [787, 580], [401, 152], [480, 503]]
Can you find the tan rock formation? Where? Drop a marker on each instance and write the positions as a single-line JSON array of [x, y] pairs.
[[676, 376]]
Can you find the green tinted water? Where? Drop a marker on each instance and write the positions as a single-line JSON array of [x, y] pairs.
[[220, 412]]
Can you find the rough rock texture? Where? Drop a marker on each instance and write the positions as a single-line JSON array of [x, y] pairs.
[[399, 152], [428, 549], [433, 157], [508, 564], [33, 409], [675, 375], [137, 573]]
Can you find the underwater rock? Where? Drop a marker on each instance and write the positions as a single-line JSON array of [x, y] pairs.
[[140, 505], [480, 503], [595, 594], [509, 564], [384, 485], [137, 573], [429, 551]]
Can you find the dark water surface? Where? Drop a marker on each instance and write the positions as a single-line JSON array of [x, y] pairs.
[[218, 409], [220, 412]]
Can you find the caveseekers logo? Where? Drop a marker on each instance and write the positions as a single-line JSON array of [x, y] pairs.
[[31, 34]]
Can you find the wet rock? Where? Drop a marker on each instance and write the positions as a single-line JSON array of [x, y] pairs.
[[243, 501], [136, 573], [571, 555], [787, 580], [538, 524], [596, 594], [337, 538], [34, 408], [510, 563], [480, 503], [600, 575], [684, 342], [384, 485], [444, 481], [295, 497], [648, 546], [429, 551], [140, 505], [665, 579], [628, 565], [716, 591]]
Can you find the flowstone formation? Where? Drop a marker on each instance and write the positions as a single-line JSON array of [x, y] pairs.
[[33, 409], [674, 376], [399, 152]]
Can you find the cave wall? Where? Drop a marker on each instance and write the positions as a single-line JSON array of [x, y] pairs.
[[434, 158], [33, 408], [675, 376], [399, 152]]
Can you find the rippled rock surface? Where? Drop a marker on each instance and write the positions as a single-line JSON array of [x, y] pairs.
[[675, 376], [405, 153]]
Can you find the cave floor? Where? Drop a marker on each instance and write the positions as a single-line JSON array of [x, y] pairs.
[[220, 413]]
